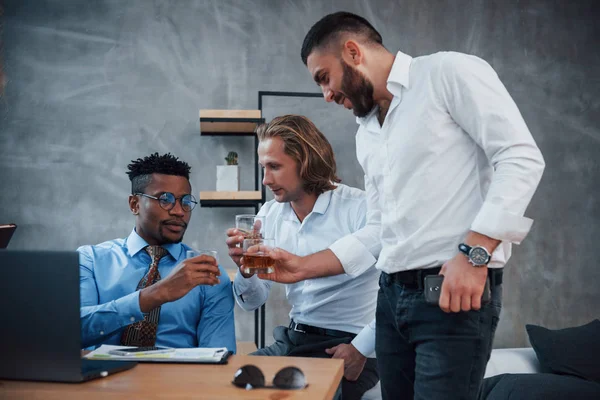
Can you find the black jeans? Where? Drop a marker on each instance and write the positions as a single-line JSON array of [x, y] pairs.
[[295, 344], [425, 353]]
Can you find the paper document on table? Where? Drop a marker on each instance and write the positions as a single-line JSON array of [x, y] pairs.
[[217, 355]]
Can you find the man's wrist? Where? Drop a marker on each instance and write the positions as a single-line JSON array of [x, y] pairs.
[[318, 265], [305, 273], [151, 297], [482, 244], [357, 352], [478, 239]]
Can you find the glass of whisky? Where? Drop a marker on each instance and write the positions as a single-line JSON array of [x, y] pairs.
[[250, 225], [256, 256]]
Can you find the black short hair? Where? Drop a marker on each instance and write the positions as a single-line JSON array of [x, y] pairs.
[[140, 171], [330, 26]]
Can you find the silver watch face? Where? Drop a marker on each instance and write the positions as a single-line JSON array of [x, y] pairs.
[[479, 256]]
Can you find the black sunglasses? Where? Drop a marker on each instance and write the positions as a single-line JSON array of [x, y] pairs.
[[251, 377], [167, 201]]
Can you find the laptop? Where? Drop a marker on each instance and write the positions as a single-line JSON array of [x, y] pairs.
[[6, 232], [40, 338]]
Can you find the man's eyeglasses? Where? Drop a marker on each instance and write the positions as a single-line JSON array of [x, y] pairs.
[[251, 377], [167, 201]]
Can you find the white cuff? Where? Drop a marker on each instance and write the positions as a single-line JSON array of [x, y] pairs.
[[364, 342], [353, 254], [241, 285], [497, 223]]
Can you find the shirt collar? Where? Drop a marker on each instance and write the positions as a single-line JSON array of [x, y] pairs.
[[322, 202], [398, 78], [135, 244], [320, 206], [400, 74]]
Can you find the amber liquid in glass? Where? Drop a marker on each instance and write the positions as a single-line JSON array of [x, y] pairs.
[[258, 263]]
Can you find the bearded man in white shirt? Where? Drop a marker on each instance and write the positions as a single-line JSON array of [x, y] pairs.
[[332, 316], [450, 167]]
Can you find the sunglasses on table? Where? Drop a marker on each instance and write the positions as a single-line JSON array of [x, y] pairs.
[[251, 377]]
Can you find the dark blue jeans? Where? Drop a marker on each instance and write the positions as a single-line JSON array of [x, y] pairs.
[[294, 344], [427, 354]]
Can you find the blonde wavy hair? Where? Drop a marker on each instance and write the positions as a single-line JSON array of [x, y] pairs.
[[308, 146]]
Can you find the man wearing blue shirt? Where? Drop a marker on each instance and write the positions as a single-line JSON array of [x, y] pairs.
[[332, 316], [141, 290]]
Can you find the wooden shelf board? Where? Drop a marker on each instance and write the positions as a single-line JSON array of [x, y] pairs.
[[222, 122], [230, 114], [241, 195]]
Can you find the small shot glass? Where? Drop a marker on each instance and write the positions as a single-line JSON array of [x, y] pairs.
[[196, 253]]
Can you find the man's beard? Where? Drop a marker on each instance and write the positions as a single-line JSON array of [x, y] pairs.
[[165, 240], [358, 90]]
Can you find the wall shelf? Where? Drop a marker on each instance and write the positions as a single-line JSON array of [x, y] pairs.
[[231, 199], [233, 123], [242, 123], [229, 122], [241, 195]]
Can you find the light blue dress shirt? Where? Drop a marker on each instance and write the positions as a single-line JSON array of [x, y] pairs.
[[109, 275]]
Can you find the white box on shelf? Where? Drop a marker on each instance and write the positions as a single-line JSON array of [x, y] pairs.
[[228, 178]]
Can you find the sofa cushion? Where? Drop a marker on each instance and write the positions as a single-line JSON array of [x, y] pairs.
[[571, 351], [538, 386], [513, 361]]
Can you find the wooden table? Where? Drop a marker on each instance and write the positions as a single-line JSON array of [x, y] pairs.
[[187, 381]]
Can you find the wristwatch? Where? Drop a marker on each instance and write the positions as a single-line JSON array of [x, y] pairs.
[[477, 255]]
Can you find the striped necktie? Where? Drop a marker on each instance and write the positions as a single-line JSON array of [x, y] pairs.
[[143, 333]]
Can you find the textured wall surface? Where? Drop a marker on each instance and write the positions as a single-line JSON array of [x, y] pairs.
[[93, 85]]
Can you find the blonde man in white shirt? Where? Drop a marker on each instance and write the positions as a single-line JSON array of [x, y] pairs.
[[330, 316], [450, 167]]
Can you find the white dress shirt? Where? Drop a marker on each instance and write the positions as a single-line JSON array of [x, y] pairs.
[[453, 155], [342, 302]]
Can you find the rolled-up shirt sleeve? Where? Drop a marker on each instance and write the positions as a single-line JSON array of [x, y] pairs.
[[478, 101], [359, 250], [498, 223], [98, 321]]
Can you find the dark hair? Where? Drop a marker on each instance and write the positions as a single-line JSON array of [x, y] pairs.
[[332, 26], [140, 171], [305, 143]]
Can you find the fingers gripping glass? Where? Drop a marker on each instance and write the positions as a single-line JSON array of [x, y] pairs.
[[167, 201], [251, 377]]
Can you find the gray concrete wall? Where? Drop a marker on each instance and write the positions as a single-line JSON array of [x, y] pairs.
[[93, 85]]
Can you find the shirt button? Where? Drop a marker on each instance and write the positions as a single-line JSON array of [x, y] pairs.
[[132, 319]]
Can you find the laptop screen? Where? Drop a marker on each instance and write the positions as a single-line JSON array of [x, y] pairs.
[[39, 304], [6, 232]]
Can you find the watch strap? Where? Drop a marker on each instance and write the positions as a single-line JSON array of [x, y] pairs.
[[464, 248]]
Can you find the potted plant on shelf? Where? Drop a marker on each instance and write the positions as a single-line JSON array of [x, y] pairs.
[[228, 176]]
